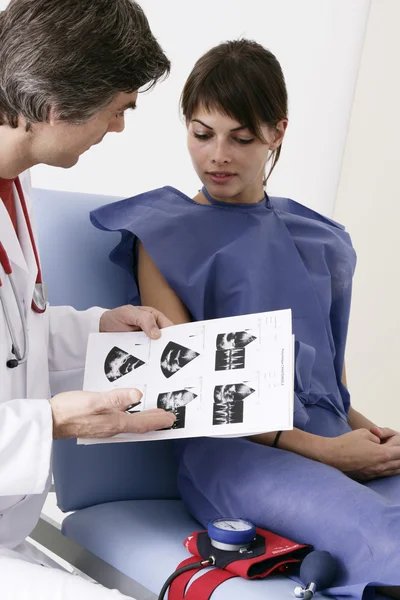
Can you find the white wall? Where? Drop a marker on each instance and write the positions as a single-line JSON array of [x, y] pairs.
[[368, 202], [318, 43]]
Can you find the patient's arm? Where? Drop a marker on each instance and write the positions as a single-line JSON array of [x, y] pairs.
[[155, 291], [355, 419], [344, 375]]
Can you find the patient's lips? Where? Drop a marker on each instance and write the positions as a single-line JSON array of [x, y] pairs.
[[221, 177]]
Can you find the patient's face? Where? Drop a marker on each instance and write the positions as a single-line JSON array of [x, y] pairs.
[[216, 144]]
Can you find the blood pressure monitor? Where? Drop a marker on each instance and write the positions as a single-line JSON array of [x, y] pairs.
[[231, 534]]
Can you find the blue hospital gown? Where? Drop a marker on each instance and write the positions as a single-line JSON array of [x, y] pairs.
[[232, 259]]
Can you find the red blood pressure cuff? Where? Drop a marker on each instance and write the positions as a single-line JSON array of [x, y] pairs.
[[268, 554]]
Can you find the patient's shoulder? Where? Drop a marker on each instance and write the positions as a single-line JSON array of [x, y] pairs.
[[151, 205], [286, 205]]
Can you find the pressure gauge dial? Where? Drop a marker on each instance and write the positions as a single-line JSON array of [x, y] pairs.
[[231, 534]]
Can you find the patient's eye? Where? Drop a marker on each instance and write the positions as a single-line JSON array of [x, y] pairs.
[[201, 136], [245, 140]]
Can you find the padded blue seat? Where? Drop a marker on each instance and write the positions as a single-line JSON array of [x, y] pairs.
[[144, 540], [124, 496]]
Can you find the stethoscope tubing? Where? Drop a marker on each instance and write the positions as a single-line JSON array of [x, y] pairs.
[[20, 356]]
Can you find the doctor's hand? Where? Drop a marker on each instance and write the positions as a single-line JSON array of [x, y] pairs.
[[134, 318], [362, 455], [94, 414]]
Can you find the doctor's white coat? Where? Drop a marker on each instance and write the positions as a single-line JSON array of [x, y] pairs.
[[57, 346]]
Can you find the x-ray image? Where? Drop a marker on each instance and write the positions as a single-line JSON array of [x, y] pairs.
[[176, 402], [234, 392], [180, 414], [118, 363], [236, 339], [219, 377], [227, 413], [228, 403], [226, 360], [175, 357]]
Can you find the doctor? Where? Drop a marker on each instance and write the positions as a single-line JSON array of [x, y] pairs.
[[68, 71]]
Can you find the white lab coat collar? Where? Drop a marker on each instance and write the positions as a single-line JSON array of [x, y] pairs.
[[19, 249], [22, 258], [9, 239], [25, 241]]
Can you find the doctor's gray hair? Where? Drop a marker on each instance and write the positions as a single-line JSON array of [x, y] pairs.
[[73, 56]]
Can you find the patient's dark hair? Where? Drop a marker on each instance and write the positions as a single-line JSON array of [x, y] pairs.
[[242, 80], [73, 56]]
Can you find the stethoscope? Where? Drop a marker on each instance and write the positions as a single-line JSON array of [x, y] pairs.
[[39, 300]]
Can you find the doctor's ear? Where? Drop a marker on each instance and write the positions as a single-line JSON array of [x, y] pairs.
[[53, 116], [278, 134], [21, 122]]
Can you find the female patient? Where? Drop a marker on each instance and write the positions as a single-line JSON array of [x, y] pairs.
[[334, 480]]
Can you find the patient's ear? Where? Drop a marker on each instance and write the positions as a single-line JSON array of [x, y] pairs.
[[278, 134]]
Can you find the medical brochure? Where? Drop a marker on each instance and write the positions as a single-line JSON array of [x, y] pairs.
[[223, 377]]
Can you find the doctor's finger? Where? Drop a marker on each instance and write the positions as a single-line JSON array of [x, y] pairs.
[[161, 320], [159, 317], [148, 421], [120, 399], [143, 318]]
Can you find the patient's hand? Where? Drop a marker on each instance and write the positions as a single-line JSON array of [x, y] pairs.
[[134, 318], [386, 435], [361, 455]]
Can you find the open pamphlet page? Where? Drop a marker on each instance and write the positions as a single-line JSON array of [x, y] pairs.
[[223, 377]]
